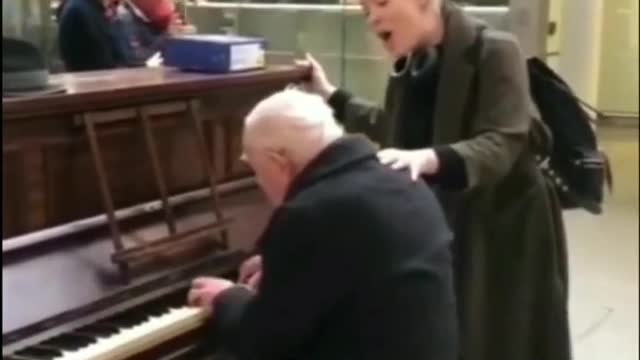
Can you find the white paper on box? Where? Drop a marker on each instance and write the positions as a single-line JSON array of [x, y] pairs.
[[246, 56]]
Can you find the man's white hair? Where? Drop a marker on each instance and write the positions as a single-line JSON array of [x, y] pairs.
[[293, 122]]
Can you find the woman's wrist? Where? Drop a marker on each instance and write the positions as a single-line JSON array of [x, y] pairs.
[[452, 172], [327, 91]]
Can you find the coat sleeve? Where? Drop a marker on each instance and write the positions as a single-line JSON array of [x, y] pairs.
[[502, 121], [80, 47], [302, 278]]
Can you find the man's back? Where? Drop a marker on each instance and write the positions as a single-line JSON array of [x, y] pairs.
[[387, 238], [356, 266]]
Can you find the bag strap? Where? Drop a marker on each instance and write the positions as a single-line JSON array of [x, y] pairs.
[[551, 79]]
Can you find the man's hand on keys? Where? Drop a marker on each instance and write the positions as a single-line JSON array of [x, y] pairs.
[[251, 272], [204, 291]]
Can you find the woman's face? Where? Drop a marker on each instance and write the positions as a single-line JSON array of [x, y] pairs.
[[401, 25]]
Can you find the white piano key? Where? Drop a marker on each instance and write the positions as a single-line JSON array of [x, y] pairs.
[[141, 336]]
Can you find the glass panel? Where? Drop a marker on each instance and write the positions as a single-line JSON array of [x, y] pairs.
[[334, 31], [31, 20]]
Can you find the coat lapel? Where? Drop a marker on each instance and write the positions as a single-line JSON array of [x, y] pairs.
[[456, 77]]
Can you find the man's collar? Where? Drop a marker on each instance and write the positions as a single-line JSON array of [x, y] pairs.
[[335, 158]]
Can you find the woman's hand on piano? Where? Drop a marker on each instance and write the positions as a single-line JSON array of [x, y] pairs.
[[249, 269], [204, 291]]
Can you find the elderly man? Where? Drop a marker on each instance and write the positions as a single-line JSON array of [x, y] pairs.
[[355, 260]]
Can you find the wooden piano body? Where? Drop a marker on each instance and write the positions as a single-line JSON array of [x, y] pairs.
[[61, 290]]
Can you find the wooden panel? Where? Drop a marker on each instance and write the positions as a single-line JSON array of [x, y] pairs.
[[237, 168], [48, 171], [12, 205], [217, 146], [73, 181], [34, 184], [231, 110]]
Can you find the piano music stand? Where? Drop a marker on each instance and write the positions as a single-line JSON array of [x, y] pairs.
[[125, 256]]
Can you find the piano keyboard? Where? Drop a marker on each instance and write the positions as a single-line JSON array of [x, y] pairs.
[[139, 338], [119, 337]]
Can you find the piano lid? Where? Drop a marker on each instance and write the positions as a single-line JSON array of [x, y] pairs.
[[89, 91]]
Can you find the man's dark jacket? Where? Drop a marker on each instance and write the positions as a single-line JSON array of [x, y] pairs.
[[356, 265]]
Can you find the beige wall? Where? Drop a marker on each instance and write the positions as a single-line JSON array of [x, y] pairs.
[[580, 41], [598, 46], [554, 43], [618, 71]]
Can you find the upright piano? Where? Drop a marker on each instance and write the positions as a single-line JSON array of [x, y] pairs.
[[116, 194]]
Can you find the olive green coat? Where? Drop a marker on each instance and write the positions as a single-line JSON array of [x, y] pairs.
[[510, 240]]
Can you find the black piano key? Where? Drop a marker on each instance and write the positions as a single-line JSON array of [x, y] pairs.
[[157, 311], [46, 347], [105, 329], [127, 320], [39, 353], [69, 341], [93, 336], [18, 357], [66, 342], [100, 329]]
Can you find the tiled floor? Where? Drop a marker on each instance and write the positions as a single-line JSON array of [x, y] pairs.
[[603, 254]]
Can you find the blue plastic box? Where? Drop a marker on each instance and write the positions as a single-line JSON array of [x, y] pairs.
[[214, 53]]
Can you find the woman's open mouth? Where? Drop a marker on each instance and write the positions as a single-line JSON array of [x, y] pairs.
[[385, 36]]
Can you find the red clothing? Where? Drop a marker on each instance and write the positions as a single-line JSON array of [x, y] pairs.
[[161, 13]]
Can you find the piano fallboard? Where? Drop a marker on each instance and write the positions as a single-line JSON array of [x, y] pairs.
[[79, 285], [141, 293]]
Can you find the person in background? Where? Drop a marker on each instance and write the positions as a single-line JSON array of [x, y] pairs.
[[143, 26], [86, 35], [356, 257]]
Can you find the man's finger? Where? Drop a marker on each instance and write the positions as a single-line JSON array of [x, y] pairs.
[[387, 156], [387, 153], [198, 282], [399, 164], [415, 172], [194, 298], [254, 281], [311, 59], [387, 160], [245, 275]]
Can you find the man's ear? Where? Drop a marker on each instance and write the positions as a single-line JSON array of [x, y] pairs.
[[277, 156], [283, 161]]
